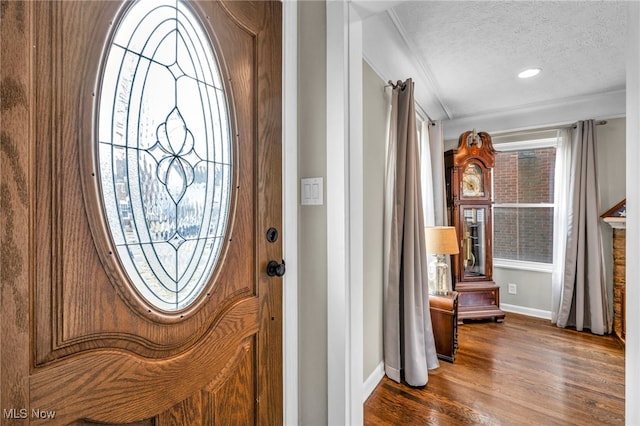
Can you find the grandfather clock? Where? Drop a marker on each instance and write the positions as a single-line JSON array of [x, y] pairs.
[[468, 178]]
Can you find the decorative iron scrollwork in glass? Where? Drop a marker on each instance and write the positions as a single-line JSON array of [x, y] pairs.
[[164, 151]]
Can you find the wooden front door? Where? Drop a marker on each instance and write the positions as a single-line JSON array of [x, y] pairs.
[[80, 344]]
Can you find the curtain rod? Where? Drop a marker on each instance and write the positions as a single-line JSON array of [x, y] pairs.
[[597, 123], [543, 129], [402, 86]]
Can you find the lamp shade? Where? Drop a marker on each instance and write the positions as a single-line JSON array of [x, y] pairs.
[[441, 239]]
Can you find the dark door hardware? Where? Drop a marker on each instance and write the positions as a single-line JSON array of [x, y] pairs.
[[275, 269]]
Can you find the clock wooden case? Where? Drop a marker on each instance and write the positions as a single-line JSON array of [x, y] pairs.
[[468, 171]]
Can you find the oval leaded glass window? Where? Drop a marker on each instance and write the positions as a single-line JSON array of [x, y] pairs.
[[164, 152]]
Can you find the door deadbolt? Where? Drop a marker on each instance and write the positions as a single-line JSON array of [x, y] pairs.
[[272, 235]]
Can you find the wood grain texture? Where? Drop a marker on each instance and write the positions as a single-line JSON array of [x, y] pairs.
[[75, 267], [73, 342], [479, 295], [15, 203], [148, 422], [523, 371], [444, 321], [116, 387], [232, 405], [269, 164], [191, 411]]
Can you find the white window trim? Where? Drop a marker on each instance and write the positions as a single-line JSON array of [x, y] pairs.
[[528, 144], [523, 265], [523, 146], [523, 205]]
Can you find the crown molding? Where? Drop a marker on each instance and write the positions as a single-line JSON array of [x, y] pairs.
[[430, 81], [389, 52], [386, 52], [558, 112]]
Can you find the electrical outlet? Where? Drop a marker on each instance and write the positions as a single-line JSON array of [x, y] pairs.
[[513, 289]]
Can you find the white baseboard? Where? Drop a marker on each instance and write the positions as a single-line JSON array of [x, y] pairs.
[[538, 313], [372, 381]]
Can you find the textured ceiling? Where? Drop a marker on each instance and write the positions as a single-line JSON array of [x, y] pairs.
[[473, 51]]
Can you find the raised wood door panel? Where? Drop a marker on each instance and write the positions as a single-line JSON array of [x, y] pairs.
[[68, 99], [97, 354]]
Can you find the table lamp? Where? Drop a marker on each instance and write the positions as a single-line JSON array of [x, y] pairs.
[[440, 241]]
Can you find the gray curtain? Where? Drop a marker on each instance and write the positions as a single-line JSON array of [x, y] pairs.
[[584, 302], [409, 348]]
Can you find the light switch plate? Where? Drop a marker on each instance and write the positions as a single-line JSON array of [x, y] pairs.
[[311, 191]]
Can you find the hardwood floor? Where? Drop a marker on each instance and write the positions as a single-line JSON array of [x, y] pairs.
[[523, 371]]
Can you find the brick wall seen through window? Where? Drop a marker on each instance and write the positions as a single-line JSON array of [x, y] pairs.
[[523, 210]]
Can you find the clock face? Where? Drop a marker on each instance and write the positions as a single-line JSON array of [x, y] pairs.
[[472, 181]]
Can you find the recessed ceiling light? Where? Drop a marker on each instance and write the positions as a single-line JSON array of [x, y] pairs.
[[528, 73]]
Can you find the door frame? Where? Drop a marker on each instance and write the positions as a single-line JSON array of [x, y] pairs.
[[290, 350], [344, 190], [345, 193]]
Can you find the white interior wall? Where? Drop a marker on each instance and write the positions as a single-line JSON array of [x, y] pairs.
[[611, 157], [312, 237], [374, 167], [632, 367]]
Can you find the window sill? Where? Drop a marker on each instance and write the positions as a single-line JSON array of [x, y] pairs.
[[523, 266]]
